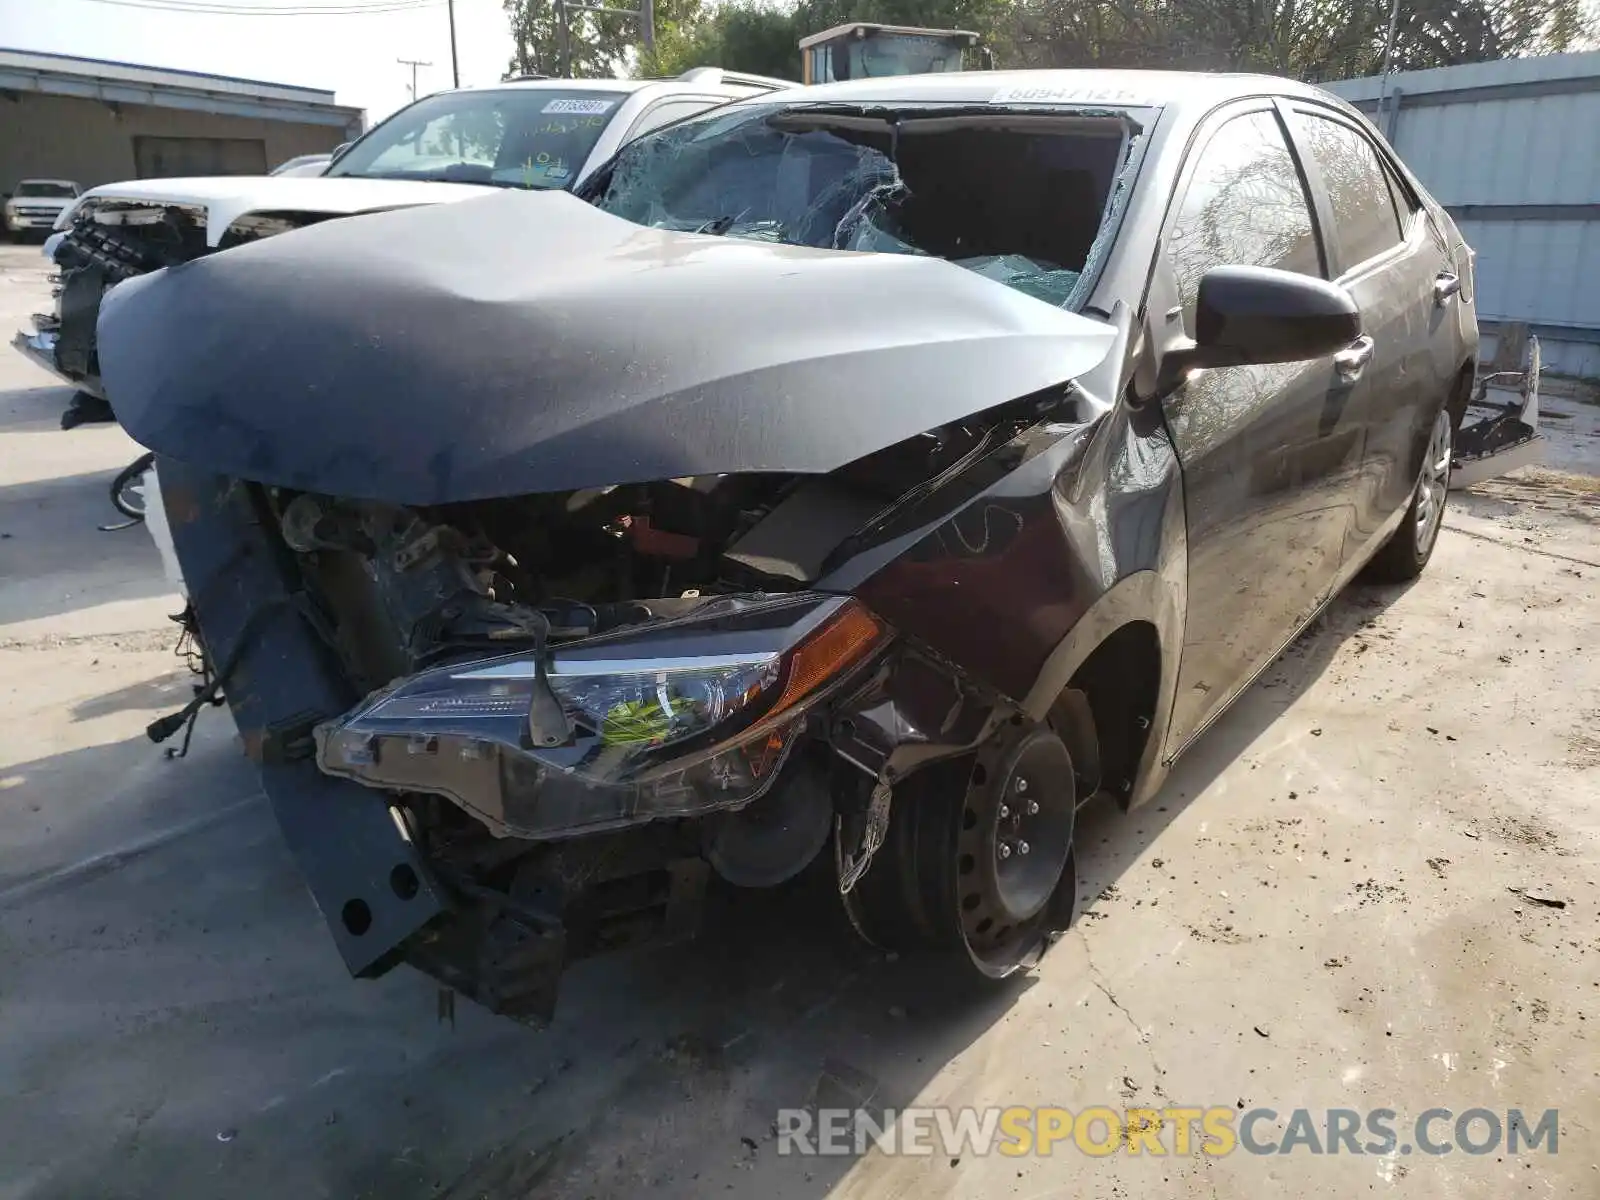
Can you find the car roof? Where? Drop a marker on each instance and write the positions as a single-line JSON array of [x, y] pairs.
[[38, 179], [698, 81], [1135, 89], [566, 85]]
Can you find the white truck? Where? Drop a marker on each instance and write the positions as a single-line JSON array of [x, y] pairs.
[[36, 204]]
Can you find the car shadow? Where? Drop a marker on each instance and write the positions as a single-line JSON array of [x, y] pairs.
[[1110, 841], [214, 1044], [166, 692], [54, 558], [33, 409]]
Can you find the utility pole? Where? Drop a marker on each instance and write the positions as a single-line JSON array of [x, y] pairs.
[[645, 14], [1388, 56], [455, 67], [413, 64]]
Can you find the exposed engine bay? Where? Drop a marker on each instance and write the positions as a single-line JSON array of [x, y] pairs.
[[405, 594], [418, 586]]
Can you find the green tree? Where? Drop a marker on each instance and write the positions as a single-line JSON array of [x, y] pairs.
[[745, 36], [602, 45], [1316, 40]]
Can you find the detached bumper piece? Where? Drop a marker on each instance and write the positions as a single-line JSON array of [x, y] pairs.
[[358, 858], [1508, 438], [38, 346], [67, 354]]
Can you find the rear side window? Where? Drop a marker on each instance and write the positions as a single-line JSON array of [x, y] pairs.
[[1358, 188], [666, 112], [1245, 206]]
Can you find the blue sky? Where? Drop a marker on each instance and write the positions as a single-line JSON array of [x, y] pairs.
[[354, 55]]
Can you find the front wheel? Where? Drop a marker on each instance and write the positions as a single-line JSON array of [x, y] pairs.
[[977, 862], [1409, 548]]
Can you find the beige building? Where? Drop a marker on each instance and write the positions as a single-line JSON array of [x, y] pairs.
[[99, 122]]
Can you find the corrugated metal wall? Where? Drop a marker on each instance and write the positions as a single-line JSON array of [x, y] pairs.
[[1512, 148]]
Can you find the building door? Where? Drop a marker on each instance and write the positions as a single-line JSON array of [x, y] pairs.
[[174, 157]]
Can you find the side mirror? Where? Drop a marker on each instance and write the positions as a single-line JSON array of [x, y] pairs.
[[1246, 316]]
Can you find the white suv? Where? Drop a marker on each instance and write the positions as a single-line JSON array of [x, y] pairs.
[[524, 133]]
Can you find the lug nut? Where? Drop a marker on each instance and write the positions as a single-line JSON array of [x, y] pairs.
[[1004, 812], [1005, 850], [1022, 847], [1022, 785], [1033, 808]]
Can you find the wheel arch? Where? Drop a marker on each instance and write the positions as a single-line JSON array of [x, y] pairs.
[[1117, 671]]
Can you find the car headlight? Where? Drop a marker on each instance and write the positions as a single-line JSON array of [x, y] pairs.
[[671, 719]]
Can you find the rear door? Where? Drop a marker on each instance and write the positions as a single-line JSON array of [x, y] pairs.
[[1386, 252], [1269, 453]]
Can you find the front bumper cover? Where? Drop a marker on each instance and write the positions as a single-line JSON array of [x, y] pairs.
[[39, 348]]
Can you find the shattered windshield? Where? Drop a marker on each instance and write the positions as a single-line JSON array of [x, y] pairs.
[[1015, 197], [518, 137]]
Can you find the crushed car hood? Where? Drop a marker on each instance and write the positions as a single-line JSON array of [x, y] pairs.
[[227, 198], [527, 342]]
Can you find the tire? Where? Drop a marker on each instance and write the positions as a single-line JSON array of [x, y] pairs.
[[1403, 557], [977, 863], [127, 501]]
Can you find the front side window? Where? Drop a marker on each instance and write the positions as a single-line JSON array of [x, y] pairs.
[[1245, 206], [1358, 188], [1016, 198], [517, 137]]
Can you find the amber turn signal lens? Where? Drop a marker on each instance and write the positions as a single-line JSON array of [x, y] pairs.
[[836, 647]]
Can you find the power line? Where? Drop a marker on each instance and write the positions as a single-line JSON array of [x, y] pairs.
[[231, 8]]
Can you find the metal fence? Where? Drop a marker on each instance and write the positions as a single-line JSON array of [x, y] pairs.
[[1512, 149]]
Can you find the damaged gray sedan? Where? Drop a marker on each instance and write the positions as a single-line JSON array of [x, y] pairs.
[[860, 481]]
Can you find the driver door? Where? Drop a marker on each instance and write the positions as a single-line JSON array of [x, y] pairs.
[[1270, 454]]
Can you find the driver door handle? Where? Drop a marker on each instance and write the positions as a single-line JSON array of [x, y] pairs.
[[1353, 359], [1445, 287]]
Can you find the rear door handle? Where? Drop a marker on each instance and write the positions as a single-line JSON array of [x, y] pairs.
[[1445, 288], [1353, 359]]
